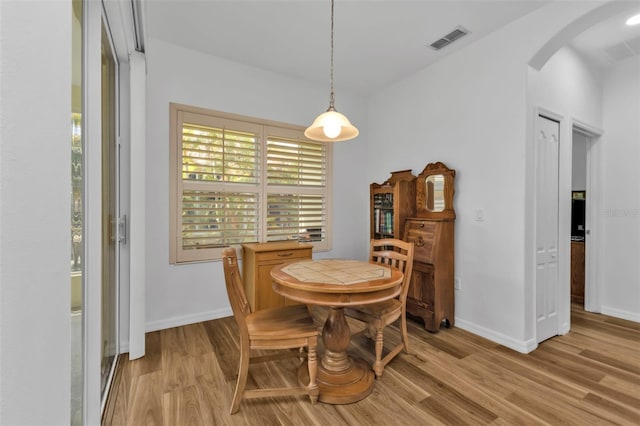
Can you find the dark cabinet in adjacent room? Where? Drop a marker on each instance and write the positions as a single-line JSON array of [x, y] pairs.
[[577, 272]]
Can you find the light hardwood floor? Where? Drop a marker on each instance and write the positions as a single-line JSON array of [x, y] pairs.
[[591, 376]]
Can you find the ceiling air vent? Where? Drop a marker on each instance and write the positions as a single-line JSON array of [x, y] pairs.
[[449, 38], [623, 50]]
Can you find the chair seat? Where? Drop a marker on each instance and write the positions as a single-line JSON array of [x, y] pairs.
[[380, 309], [290, 322]]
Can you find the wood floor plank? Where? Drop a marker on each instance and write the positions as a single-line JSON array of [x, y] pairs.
[[152, 361], [183, 407], [589, 376], [566, 397], [617, 363], [622, 323], [617, 348], [513, 375], [483, 384], [608, 330], [556, 369], [178, 370], [618, 412], [223, 336], [624, 386], [145, 402], [570, 363], [553, 411], [443, 393], [196, 340]]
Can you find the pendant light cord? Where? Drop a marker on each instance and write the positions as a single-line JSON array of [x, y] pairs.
[[332, 96]]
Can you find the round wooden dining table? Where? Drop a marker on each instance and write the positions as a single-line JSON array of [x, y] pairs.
[[336, 284]]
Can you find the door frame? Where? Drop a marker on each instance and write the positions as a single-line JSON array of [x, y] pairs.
[[593, 228], [594, 189], [94, 19]]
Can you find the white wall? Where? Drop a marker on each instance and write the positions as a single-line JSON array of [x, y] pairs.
[[178, 294], [35, 182], [571, 85], [620, 290], [470, 111]]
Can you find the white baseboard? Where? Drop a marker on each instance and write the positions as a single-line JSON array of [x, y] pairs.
[[618, 313], [522, 346], [188, 319]]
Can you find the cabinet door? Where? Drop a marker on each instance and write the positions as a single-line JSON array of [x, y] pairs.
[[420, 298], [265, 261], [421, 288], [265, 296]]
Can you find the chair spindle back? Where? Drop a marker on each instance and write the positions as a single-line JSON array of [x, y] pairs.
[[235, 288], [396, 254]]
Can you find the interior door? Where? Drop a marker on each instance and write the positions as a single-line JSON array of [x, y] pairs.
[[547, 166]]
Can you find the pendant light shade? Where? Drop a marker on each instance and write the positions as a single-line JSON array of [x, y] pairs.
[[331, 126]]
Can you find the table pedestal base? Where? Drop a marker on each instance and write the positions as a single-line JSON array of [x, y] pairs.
[[345, 387]]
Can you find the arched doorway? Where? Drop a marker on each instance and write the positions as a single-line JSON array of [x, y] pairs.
[[568, 119]]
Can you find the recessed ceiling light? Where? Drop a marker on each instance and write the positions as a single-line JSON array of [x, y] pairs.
[[634, 20]]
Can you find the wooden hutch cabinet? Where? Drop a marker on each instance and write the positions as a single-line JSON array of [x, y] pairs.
[[431, 290], [391, 203], [257, 261]]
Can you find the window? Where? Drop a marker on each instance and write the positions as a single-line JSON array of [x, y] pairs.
[[238, 180]]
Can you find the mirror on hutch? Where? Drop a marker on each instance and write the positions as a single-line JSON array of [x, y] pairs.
[[434, 192]]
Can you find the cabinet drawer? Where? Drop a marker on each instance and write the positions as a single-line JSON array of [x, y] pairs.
[[284, 255], [422, 234]]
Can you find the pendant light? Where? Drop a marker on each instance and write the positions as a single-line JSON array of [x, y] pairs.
[[331, 126]]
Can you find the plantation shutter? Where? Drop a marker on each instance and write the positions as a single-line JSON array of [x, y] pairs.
[[296, 163], [293, 216], [219, 185], [219, 155], [296, 180], [218, 219]]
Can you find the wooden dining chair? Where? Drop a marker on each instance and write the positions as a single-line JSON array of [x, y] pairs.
[[289, 327], [397, 254]]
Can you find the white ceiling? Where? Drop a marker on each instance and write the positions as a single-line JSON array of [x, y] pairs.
[[612, 40], [376, 42]]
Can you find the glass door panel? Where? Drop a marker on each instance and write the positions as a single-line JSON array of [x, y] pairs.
[[109, 213], [77, 218]]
